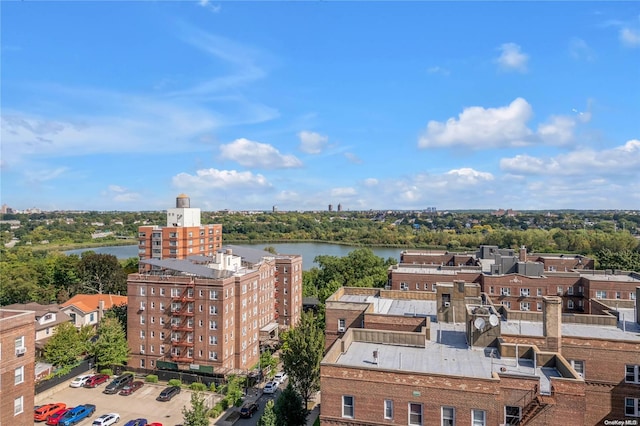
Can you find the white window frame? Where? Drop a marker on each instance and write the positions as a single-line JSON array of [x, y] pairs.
[[632, 371], [18, 375], [578, 365], [18, 405], [505, 291], [525, 306], [478, 418], [570, 304], [539, 292], [570, 290], [539, 306], [601, 294], [632, 407], [512, 416], [388, 409], [418, 422], [350, 407], [450, 419], [525, 292], [342, 324]]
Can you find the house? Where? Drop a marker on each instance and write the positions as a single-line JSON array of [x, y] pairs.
[[47, 317], [87, 309]]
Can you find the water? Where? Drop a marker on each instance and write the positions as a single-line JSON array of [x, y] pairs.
[[308, 251]]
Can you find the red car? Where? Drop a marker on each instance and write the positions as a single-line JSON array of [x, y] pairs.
[[55, 418], [43, 413], [131, 388], [96, 380]]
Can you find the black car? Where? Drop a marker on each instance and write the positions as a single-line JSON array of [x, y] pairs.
[[168, 393], [118, 383], [248, 410]]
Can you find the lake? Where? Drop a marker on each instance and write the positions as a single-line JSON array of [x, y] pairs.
[[308, 251]]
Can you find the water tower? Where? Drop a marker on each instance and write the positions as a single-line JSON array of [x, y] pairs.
[[183, 201]]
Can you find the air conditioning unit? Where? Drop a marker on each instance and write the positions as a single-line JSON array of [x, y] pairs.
[[21, 351], [447, 304], [341, 329], [142, 352]]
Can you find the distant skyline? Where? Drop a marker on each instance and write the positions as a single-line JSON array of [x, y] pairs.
[[371, 105]]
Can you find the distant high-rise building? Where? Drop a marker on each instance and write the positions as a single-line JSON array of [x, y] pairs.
[[183, 236], [339, 207], [330, 207], [275, 209]]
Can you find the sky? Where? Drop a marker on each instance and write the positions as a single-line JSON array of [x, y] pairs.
[[371, 105]]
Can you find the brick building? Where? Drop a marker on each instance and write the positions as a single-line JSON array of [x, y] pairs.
[[47, 319], [517, 281], [425, 364], [183, 235], [17, 366], [211, 312]]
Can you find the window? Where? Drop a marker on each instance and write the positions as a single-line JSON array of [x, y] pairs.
[[539, 306], [347, 406], [539, 292], [213, 325], [213, 310], [570, 304], [632, 295], [511, 415], [505, 291], [161, 291], [618, 295], [388, 409], [142, 291], [578, 366], [632, 407], [142, 334], [525, 306], [213, 295], [142, 319], [213, 340], [142, 363], [342, 324], [524, 292], [570, 291], [507, 305], [213, 356], [18, 406], [404, 286], [448, 416], [478, 418], [426, 286], [632, 374], [18, 375], [601, 294], [91, 317], [20, 342], [491, 290], [560, 289], [415, 414]]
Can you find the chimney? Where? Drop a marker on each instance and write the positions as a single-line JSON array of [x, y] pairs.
[[523, 254], [552, 322]]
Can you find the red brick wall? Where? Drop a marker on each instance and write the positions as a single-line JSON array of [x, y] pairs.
[[352, 317]]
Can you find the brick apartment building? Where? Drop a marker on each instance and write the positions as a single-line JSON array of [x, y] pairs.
[[212, 312], [183, 235], [517, 281], [17, 366], [453, 357]]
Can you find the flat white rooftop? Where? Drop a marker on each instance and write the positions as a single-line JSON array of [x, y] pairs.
[[435, 270], [422, 308], [447, 353], [628, 330]]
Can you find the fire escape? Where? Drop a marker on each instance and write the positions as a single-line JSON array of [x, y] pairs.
[[276, 289], [538, 403], [182, 311]]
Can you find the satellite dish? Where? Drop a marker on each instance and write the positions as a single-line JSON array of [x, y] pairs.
[[479, 323], [493, 320]]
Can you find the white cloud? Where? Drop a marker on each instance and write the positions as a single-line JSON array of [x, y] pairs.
[[468, 175], [439, 70], [343, 192], [120, 194], [220, 179], [622, 160], [512, 58], [579, 49], [370, 182], [630, 37], [116, 188], [312, 142], [207, 5], [43, 175], [255, 154], [479, 128], [352, 158], [558, 130]]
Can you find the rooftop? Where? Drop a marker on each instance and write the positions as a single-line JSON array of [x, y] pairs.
[[628, 330], [90, 302], [386, 306]]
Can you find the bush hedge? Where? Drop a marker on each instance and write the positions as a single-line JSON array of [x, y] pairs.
[[152, 378], [175, 382], [198, 387], [107, 371]]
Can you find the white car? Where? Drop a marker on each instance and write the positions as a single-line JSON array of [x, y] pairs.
[[270, 387], [106, 419], [79, 381], [280, 377]]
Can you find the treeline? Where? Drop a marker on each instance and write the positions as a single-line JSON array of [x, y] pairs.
[[54, 277]]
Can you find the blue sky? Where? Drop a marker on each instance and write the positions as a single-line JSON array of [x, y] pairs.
[[373, 105]]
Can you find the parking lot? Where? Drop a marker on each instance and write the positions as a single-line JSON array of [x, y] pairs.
[[141, 403]]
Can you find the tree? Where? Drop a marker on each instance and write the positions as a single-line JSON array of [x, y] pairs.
[[268, 417], [111, 347], [64, 347], [102, 273], [118, 312], [197, 414], [301, 355], [289, 408]]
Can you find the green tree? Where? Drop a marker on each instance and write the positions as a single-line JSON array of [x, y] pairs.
[[102, 273], [65, 346], [301, 355], [290, 409], [268, 417], [197, 414], [111, 347], [118, 312]]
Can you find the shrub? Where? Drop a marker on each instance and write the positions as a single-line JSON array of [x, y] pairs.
[[198, 387], [212, 387], [224, 404], [107, 371], [175, 382], [216, 411], [152, 378]]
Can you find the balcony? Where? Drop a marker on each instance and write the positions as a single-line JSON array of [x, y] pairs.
[[182, 343], [181, 358]]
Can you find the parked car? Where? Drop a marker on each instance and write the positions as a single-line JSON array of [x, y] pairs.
[[118, 383], [131, 388], [280, 377], [43, 413], [155, 424], [168, 393], [79, 381], [106, 419], [96, 380], [136, 422], [57, 416], [248, 410], [77, 414], [270, 387]]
